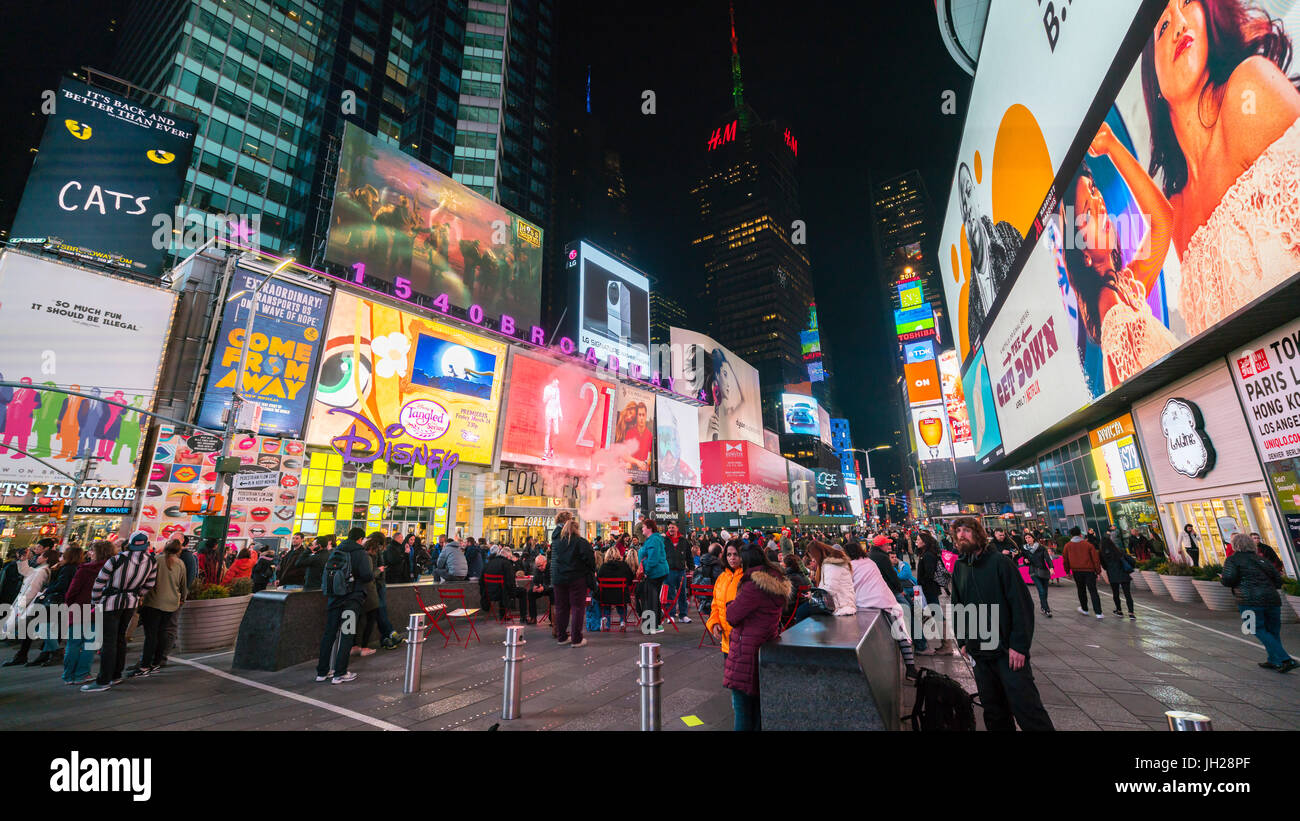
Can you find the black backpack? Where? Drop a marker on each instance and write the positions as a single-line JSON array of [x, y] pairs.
[[337, 578], [942, 704]]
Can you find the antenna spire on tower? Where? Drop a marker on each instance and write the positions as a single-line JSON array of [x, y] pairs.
[[737, 85]]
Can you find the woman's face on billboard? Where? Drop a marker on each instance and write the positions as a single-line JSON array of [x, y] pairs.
[[1093, 221], [728, 385], [1181, 49]]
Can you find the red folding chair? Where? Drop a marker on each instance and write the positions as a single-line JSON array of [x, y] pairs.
[[462, 612], [701, 593], [669, 607], [804, 590], [490, 580], [617, 589], [434, 613]]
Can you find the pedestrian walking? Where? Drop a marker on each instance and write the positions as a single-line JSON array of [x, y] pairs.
[[1083, 562], [1039, 563], [985, 578], [1255, 581], [1119, 568], [654, 564]]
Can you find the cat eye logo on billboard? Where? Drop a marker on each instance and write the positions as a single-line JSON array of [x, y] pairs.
[[1189, 448], [79, 130], [425, 419], [159, 156]]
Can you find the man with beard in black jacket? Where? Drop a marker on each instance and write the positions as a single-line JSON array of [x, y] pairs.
[[987, 589]]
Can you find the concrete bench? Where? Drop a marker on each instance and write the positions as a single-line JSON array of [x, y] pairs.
[[831, 673], [282, 628]]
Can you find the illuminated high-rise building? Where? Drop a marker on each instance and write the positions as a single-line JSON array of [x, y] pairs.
[[749, 242]]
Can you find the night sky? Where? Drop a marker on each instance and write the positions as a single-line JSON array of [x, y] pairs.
[[860, 86]]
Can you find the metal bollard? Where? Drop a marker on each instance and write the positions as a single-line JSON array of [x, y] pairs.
[[650, 680], [414, 653], [513, 696], [1183, 721]]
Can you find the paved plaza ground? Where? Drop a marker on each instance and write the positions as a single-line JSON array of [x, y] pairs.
[[1111, 674]]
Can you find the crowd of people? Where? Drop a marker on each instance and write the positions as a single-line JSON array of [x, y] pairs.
[[746, 586]]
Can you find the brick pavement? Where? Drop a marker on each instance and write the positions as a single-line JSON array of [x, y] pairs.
[[1093, 675]]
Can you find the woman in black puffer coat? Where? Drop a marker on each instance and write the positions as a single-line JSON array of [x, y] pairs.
[[754, 615], [1255, 582]]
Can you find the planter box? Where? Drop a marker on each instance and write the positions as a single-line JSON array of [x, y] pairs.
[[1139, 581], [1181, 589], [1215, 595], [1291, 614], [210, 624], [1152, 578]]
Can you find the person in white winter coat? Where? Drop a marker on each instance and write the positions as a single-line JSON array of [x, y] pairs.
[[831, 572], [872, 591], [34, 579]]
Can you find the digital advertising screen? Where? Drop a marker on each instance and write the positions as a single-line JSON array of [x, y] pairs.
[[282, 354], [405, 229], [954, 399], [558, 414], [729, 384], [986, 434], [1115, 458], [824, 425], [911, 324], [922, 380], [1039, 74], [910, 294], [107, 167], [614, 314], [634, 430], [800, 414], [930, 430], [71, 328], [405, 388], [677, 443], [803, 489]]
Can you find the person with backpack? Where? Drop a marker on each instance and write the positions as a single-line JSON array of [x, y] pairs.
[[985, 578], [160, 607], [1119, 567], [119, 586], [755, 618], [451, 565], [346, 572]]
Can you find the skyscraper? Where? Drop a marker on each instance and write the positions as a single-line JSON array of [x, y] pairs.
[[758, 284], [905, 234], [462, 87], [666, 311]]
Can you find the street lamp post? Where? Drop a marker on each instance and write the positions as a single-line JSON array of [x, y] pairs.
[[867, 453]]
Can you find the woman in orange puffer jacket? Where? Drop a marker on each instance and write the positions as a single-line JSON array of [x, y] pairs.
[[724, 590]]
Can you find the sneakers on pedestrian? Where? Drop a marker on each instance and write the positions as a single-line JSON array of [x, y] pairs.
[[1119, 613], [139, 672], [582, 643], [1288, 665], [562, 641], [1268, 665], [344, 679], [1084, 612], [1132, 617], [395, 638], [326, 677], [16, 661], [95, 687], [1100, 616], [1047, 613], [685, 619]]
